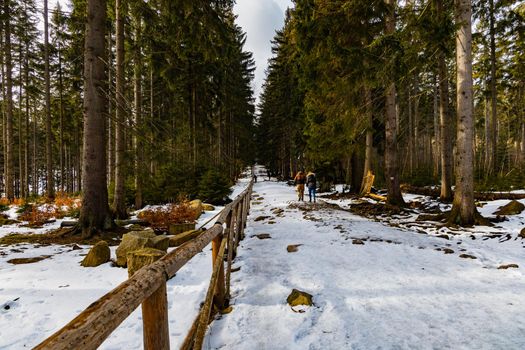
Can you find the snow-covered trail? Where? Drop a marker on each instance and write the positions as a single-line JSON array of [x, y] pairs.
[[394, 292]]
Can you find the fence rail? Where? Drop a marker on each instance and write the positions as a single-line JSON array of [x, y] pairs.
[[147, 286]]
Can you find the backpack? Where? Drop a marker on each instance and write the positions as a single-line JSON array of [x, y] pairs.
[[310, 180]]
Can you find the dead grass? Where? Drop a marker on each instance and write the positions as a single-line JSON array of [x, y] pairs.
[[161, 218]]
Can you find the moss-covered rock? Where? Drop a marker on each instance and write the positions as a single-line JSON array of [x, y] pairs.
[[132, 241], [298, 297], [512, 208], [161, 242], [98, 254], [142, 257], [196, 205], [207, 207]]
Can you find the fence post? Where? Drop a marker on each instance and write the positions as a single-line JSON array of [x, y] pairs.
[[155, 307], [231, 250], [219, 290]]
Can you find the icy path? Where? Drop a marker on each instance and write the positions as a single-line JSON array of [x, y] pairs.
[[394, 292]]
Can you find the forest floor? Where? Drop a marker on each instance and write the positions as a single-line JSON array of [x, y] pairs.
[[387, 281]]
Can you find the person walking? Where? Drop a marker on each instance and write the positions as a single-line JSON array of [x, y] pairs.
[[299, 181], [311, 183]]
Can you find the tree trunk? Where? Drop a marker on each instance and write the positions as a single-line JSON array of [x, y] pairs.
[[139, 147], [9, 150], [445, 118], [50, 186], [369, 137], [493, 90], [61, 121], [119, 199], [111, 120], [391, 158], [463, 209], [95, 213]]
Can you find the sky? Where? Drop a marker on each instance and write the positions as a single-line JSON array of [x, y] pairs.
[[260, 19]]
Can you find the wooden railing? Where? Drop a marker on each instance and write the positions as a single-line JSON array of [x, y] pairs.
[[147, 286]]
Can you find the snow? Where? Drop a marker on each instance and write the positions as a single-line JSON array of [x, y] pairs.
[[42, 297], [399, 295]]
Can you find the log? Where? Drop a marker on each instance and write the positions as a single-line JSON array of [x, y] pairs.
[[479, 196]]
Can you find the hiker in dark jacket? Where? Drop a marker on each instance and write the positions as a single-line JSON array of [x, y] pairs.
[[311, 183], [299, 181]]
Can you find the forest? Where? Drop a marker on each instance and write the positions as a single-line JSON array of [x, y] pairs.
[[174, 106], [425, 93], [139, 168]]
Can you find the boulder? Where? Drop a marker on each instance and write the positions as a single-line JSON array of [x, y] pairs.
[[142, 257], [298, 297], [522, 234], [131, 241], [358, 242], [207, 207], [98, 254], [512, 208], [196, 205], [161, 242]]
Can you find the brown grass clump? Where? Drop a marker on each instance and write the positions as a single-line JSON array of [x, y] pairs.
[[161, 218], [38, 216], [18, 201]]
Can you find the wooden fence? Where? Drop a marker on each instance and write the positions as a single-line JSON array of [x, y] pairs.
[[147, 286]]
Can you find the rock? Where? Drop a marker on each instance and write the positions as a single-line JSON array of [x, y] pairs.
[[177, 240], [358, 242], [298, 297], [271, 222], [443, 236], [278, 211], [161, 242], [261, 218], [263, 236], [196, 205], [132, 241], [207, 207], [76, 247], [522, 234], [20, 261], [142, 257], [175, 229], [512, 208], [508, 266], [98, 254], [292, 248], [136, 227], [467, 256], [235, 269], [448, 251]]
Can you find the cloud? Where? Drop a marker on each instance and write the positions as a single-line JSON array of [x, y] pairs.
[[260, 19]]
